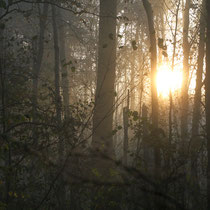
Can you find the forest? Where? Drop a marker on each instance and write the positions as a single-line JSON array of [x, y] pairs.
[[105, 104]]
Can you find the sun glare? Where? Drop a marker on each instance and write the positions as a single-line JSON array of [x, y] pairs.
[[167, 80]]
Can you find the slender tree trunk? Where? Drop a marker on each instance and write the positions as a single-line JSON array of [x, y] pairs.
[[172, 68], [57, 74], [102, 139], [37, 66], [3, 123], [184, 97], [65, 75], [104, 98], [184, 94], [197, 97], [116, 116], [196, 112], [207, 90], [125, 123], [132, 85], [146, 157], [153, 49], [61, 190]]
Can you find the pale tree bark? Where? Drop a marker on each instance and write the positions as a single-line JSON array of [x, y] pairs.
[[37, 66], [104, 97], [132, 83], [184, 91], [64, 70], [102, 138], [207, 91], [153, 49], [195, 139]]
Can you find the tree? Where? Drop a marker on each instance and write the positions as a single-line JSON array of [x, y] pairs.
[[58, 103], [104, 96], [185, 81], [195, 138], [38, 56], [153, 50], [65, 75], [207, 91]]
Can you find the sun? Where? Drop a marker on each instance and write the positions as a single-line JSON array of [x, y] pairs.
[[167, 80]]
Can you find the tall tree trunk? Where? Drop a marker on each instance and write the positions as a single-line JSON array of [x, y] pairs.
[[147, 153], [196, 112], [3, 117], [172, 68], [132, 83], [153, 48], [102, 139], [125, 125], [146, 156], [184, 94], [57, 74], [65, 75], [61, 191], [104, 98], [37, 66], [207, 89]]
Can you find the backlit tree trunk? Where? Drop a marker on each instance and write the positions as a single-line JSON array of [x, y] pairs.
[[104, 97], [196, 111], [153, 49], [207, 91], [184, 94]]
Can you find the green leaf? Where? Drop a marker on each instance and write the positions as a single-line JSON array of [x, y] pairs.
[[73, 69]]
